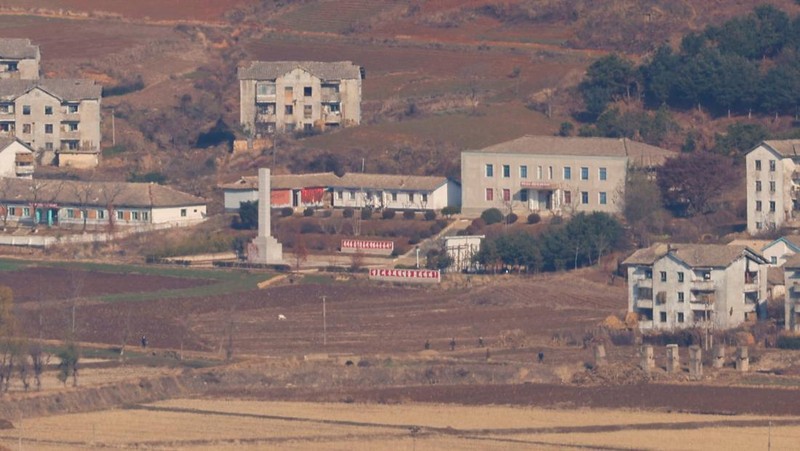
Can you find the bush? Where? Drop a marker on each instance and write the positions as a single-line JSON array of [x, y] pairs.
[[388, 214], [348, 212], [492, 216], [327, 213], [478, 223], [310, 227], [287, 211], [435, 228], [409, 214], [451, 210], [556, 220], [534, 218], [308, 212], [788, 342], [366, 213], [430, 215], [511, 218]]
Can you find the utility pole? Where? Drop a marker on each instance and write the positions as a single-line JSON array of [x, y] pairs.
[[113, 129], [324, 323]]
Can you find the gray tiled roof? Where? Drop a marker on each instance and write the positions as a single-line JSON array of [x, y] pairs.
[[694, 255], [270, 70], [792, 262], [784, 147], [17, 48], [71, 89], [97, 194], [354, 180], [639, 153]]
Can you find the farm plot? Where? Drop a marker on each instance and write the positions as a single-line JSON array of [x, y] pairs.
[[183, 10], [232, 423]]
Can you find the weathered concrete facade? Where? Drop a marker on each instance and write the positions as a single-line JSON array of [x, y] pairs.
[[682, 285], [773, 185], [552, 174], [19, 59], [287, 96]]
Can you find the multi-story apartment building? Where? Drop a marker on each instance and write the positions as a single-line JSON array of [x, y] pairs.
[[19, 59], [696, 285], [57, 117], [552, 174], [773, 186], [284, 96], [791, 274]]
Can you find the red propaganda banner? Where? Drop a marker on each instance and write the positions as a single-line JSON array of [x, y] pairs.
[[372, 247], [406, 275]]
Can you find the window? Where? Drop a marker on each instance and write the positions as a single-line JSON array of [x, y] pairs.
[[567, 172], [681, 297], [425, 197], [648, 274], [26, 128], [70, 213], [603, 198], [759, 225], [183, 212], [772, 187], [758, 185], [288, 94], [307, 110], [567, 197], [411, 197], [489, 194], [680, 317], [72, 126], [662, 317], [289, 109], [663, 275], [145, 216], [772, 206], [120, 215], [26, 110], [340, 195], [758, 165], [550, 173], [539, 173], [6, 108], [680, 276], [771, 165], [523, 195], [603, 174], [394, 196], [584, 173], [135, 215], [48, 110], [584, 197], [101, 214], [773, 260], [265, 89], [48, 128], [307, 91], [6, 127], [758, 205], [308, 127], [26, 211], [12, 211], [334, 108], [523, 172], [72, 109], [506, 194], [506, 171], [352, 195], [489, 170]]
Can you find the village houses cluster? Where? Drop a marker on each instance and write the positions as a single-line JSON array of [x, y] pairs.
[[674, 285]]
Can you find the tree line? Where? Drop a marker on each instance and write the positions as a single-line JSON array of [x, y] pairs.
[[746, 65]]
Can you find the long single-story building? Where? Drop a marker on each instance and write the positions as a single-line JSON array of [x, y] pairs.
[[552, 174], [53, 202], [326, 190]]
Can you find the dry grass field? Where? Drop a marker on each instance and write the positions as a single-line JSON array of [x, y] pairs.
[[240, 424]]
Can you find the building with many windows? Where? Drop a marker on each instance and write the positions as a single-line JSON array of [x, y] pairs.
[[286, 96], [696, 285], [773, 186], [59, 118], [19, 59], [552, 174]]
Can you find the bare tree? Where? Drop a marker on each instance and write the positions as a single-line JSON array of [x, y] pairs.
[[5, 189], [109, 194], [124, 330], [85, 195]]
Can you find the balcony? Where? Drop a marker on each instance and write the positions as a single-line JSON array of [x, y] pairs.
[[75, 134], [265, 97], [751, 288], [703, 285], [24, 170], [645, 283], [644, 304], [648, 324], [330, 97], [332, 118], [265, 117]]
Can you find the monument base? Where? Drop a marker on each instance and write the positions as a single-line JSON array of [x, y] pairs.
[[267, 251]]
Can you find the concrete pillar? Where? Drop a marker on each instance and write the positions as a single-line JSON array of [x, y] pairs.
[[673, 359], [600, 355], [648, 362], [267, 249], [719, 356], [695, 362], [742, 359]]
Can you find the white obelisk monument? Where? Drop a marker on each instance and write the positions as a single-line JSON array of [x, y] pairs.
[[267, 249]]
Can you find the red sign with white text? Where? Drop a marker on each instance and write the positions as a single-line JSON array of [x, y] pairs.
[[376, 247], [406, 275]]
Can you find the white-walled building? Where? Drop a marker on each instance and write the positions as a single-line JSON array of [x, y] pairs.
[[773, 186], [792, 297], [278, 96], [54, 202], [552, 174], [16, 159], [356, 190], [696, 285], [461, 248], [19, 59]]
